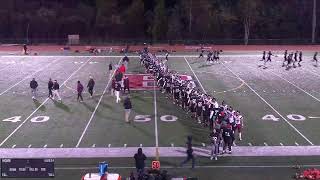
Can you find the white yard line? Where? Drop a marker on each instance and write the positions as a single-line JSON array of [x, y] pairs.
[[295, 86], [195, 75], [269, 105], [156, 119], [96, 108], [27, 77], [44, 102]]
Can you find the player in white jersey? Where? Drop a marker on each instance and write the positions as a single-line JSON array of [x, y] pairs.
[[238, 124]]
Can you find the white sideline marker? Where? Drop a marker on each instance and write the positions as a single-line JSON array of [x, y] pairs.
[[281, 144], [203, 144], [61, 145], [93, 145], [265, 144], [125, 145], [249, 144], [172, 145], [296, 143], [14, 146], [29, 146], [140, 145], [45, 146], [311, 117], [109, 145]]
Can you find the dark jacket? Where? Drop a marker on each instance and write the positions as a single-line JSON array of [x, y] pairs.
[[79, 88], [118, 76], [91, 84], [33, 84], [56, 86], [127, 104], [110, 67], [139, 159], [50, 85]]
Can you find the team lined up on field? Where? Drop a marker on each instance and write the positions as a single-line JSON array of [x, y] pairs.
[[222, 119]]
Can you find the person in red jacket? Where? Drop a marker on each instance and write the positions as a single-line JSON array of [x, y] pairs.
[[122, 69], [79, 90]]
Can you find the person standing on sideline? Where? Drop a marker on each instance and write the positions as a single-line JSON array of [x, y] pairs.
[[126, 84], [50, 86], [117, 92], [79, 90], [139, 158], [190, 156], [90, 86], [56, 88], [127, 108], [25, 49], [110, 69], [34, 86], [113, 86]]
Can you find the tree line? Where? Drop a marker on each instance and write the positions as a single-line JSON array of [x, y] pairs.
[[105, 20]]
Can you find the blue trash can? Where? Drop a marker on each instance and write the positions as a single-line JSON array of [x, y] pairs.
[[103, 167]]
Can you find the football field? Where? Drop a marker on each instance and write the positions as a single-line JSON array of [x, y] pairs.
[[280, 108]]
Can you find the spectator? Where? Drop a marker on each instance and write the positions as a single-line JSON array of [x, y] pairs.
[[110, 69], [127, 108], [34, 86], [139, 158], [79, 90]]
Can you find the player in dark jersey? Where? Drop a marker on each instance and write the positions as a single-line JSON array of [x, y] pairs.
[[215, 138], [199, 111], [289, 60], [285, 57], [228, 137], [315, 58], [300, 58], [167, 54]]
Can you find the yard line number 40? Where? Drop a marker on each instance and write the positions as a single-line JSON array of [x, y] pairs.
[[292, 117], [138, 118]]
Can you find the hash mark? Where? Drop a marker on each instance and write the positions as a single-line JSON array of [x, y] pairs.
[[265, 144], [93, 145], [281, 144], [14, 146], [61, 145], [296, 143], [140, 145], [172, 145], [45, 146], [125, 145], [249, 144], [109, 145], [29, 146], [203, 144]]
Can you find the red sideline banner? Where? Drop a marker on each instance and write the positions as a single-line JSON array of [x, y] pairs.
[[146, 81]]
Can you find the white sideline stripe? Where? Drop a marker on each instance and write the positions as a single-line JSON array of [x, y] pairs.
[[45, 146], [27, 77], [14, 146], [96, 108], [238, 151], [15, 130], [197, 167], [270, 106], [296, 86], [195, 75], [155, 117]]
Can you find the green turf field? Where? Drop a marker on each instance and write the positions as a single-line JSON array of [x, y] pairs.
[[280, 107]]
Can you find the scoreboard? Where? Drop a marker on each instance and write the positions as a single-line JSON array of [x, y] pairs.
[[27, 168]]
